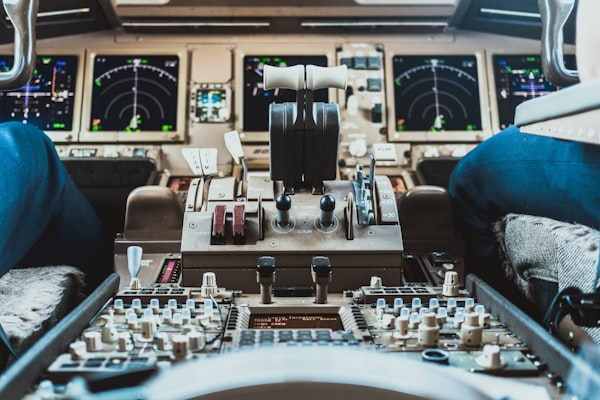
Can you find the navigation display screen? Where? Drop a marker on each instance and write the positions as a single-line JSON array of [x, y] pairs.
[[256, 99], [134, 93], [436, 93], [47, 101], [519, 78]]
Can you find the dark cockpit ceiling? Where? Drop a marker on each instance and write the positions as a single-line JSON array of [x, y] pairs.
[[507, 17]]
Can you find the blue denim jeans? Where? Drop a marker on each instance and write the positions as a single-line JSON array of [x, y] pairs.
[[44, 218], [514, 172]]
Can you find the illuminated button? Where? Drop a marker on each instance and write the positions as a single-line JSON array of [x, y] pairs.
[[347, 61], [374, 85], [373, 62], [116, 363], [360, 62]]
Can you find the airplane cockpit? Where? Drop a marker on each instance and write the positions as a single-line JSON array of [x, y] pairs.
[[275, 178]]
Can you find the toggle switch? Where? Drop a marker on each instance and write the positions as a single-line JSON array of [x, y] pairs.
[[265, 276], [134, 261], [238, 224], [321, 275], [218, 233], [327, 205], [283, 204]]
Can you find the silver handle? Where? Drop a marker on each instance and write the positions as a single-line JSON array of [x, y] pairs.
[[22, 15], [554, 15]]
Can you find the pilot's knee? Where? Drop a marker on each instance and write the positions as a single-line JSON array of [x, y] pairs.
[[16, 137]]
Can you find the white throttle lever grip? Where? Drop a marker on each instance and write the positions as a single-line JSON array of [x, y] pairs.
[[283, 77], [134, 261], [326, 77]]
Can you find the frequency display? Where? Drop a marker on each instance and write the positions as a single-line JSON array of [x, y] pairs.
[[519, 78], [296, 321], [436, 93], [257, 100], [134, 93], [47, 100]]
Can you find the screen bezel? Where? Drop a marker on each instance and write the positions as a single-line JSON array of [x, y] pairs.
[[72, 135], [309, 49], [449, 136], [178, 135]]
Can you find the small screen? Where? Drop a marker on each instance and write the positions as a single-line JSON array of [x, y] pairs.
[[436, 93], [519, 78], [47, 100], [211, 105], [134, 93], [256, 100], [296, 321]]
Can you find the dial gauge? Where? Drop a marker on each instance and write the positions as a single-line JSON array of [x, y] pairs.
[[134, 93], [436, 93]]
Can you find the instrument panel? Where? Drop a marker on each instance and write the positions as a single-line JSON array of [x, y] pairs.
[[408, 93]]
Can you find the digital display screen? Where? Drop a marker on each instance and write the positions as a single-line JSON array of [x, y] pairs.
[[211, 105], [47, 100], [257, 100], [519, 78], [296, 321], [436, 93], [134, 93]]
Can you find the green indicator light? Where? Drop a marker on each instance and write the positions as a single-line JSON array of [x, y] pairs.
[[97, 82], [530, 59], [167, 128], [470, 128], [46, 60], [58, 125]]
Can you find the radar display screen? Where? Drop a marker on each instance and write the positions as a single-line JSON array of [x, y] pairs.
[[256, 100], [519, 78], [47, 100], [436, 93], [134, 93], [296, 321]]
